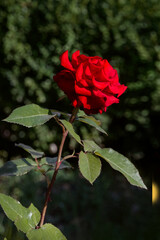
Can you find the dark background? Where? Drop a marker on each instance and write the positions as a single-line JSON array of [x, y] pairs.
[[32, 36]]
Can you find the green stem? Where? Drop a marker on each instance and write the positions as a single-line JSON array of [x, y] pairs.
[[58, 163]]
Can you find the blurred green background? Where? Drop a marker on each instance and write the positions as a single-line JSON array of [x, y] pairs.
[[32, 36]]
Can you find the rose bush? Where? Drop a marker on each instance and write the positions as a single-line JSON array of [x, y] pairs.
[[89, 82]]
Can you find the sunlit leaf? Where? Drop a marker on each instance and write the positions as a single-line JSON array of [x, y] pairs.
[[30, 115], [25, 219], [70, 129], [90, 121], [90, 166], [46, 232], [121, 164], [90, 146], [81, 113]]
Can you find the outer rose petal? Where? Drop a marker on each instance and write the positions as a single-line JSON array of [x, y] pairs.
[[84, 102], [65, 80], [75, 58], [110, 73], [122, 90], [65, 61], [116, 89], [110, 100], [92, 104]]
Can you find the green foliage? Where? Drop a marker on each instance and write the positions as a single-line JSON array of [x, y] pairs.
[[47, 232], [90, 146], [121, 164], [22, 166], [92, 122], [18, 167], [24, 218], [30, 115], [34, 153], [52, 163], [90, 166], [70, 129]]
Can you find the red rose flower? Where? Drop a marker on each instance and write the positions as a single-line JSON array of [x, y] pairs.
[[89, 82]]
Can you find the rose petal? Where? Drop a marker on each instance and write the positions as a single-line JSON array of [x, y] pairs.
[[65, 80], [110, 73], [83, 100], [82, 90], [98, 84], [116, 89], [82, 58], [88, 72], [93, 104], [110, 100], [122, 90], [79, 72], [79, 77], [75, 58], [65, 61]]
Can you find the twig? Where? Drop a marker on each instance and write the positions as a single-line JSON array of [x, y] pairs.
[[67, 157]]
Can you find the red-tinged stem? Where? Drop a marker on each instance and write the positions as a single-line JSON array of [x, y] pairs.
[[37, 163], [58, 163]]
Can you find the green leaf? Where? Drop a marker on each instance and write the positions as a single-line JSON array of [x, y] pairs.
[[90, 146], [81, 113], [22, 166], [121, 164], [46, 232], [25, 219], [59, 113], [35, 217], [17, 167], [52, 162], [90, 166], [91, 118], [30, 116], [70, 129], [91, 121], [34, 153]]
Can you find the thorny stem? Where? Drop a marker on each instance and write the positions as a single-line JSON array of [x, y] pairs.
[[58, 163]]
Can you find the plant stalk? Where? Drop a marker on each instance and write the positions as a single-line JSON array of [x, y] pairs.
[[58, 163]]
